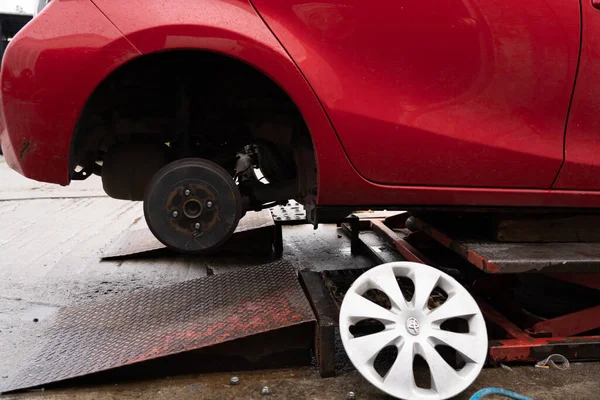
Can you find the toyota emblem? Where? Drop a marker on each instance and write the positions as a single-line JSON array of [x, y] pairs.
[[412, 325]]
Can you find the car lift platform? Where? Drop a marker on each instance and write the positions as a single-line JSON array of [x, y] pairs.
[[492, 271]]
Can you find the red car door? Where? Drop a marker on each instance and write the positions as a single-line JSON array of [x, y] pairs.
[[581, 169], [439, 92]]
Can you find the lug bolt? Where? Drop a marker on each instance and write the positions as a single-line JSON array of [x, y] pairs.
[[187, 192], [209, 204], [197, 225], [350, 396], [175, 214], [265, 391], [235, 380]]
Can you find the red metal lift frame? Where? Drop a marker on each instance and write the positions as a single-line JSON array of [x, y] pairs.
[[556, 335]]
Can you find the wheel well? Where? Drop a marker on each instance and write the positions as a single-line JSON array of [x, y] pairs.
[[190, 104]]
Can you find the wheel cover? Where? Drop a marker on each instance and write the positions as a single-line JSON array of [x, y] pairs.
[[414, 329], [192, 205]]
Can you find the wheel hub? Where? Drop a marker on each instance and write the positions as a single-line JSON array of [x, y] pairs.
[[192, 208], [192, 205], [187, 206]]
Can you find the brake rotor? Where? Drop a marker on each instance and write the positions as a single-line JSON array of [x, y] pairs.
[[192, 205]]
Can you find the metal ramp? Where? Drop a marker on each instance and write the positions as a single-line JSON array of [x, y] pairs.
[[255, 233], [158, 322]]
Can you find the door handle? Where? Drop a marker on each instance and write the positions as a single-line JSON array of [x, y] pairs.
[[596, 4]]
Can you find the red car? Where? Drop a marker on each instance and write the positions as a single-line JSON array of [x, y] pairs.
[[460, 103]]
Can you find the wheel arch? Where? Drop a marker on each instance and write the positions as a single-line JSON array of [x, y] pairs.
[[261, 53]]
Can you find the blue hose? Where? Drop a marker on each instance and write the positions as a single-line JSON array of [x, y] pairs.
[[502, 392]]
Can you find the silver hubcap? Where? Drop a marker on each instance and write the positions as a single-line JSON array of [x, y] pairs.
[[413, 326]]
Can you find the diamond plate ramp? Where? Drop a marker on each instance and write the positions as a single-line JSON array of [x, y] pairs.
[[254, 234], [157, 322]]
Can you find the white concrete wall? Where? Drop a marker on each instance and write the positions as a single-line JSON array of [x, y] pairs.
[[18, 6]]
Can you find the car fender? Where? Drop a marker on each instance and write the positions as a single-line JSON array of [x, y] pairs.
[[232, 28], [49, 70]]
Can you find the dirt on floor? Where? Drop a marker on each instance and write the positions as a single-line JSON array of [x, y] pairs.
[[580, 381]]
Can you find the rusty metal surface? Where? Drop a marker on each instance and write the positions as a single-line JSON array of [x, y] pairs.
[[492, 316], [378, 250], [136, 241], [495, 257], [327, 313], [590, 280], [403, 247], [157, 322], [537, 349], [339, 281], [516, 344], [545, 337], [570, 324], [399, 240], [192, 205]]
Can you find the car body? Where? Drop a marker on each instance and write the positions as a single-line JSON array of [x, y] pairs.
[[461, 103]]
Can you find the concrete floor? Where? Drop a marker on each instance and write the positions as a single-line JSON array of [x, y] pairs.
[[579, 382], [51, 240]]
